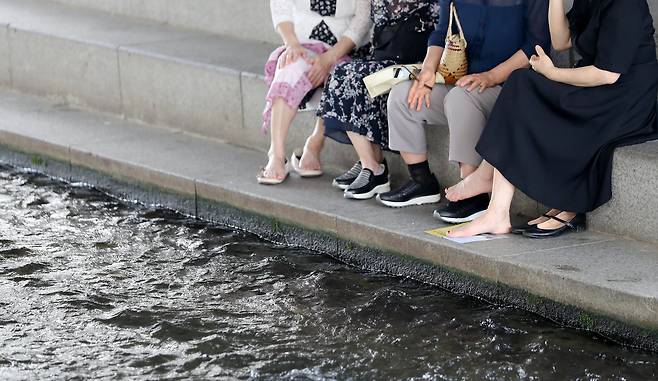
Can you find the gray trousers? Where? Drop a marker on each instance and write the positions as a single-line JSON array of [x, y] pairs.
[[465, 113]]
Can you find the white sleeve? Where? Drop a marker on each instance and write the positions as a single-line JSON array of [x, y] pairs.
[[360, 25], [282, 11]]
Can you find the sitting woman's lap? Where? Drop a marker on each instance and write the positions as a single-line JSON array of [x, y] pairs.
[[346, 105]]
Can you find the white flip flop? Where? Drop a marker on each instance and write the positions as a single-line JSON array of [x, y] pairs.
[[305, 173], [273, 181]]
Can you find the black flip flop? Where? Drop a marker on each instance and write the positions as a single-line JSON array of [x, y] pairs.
[[577, 224]]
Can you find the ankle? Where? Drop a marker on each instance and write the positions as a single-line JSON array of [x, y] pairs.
[[275, 156]]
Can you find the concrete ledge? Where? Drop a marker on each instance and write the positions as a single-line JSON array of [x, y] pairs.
[[212, 86], [613, 279]]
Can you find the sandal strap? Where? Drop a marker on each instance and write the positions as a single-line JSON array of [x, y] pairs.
[[566, 223]]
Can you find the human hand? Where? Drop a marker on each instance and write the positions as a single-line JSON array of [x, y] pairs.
[[322, 65], [541, 62], [292, 54], [421, 89], [480, 81]]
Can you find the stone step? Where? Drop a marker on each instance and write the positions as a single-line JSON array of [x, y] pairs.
[[248, 20], [212, 86], [242, 19], [603, 276]]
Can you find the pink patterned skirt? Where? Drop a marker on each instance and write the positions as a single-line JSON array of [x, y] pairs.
[[290, 83]]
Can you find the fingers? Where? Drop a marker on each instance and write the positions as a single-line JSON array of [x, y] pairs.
[[474, 85], [316, 76], [540, 51], [412, 93], [467, 80], [419, 104]]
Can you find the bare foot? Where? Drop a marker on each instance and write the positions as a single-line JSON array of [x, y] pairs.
[[275, 168], [539, 220], [310, 160], [489, 223], [553, 224], [473, 185]]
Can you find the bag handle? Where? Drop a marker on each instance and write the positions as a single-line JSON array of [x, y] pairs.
[[453, 14]]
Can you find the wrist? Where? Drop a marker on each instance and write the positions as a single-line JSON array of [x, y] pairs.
[[496, 77], [293, 44], [552, 73], [332, 56]]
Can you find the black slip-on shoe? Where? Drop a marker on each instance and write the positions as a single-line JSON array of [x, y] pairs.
[[463, 211], [346, 179], [577, 224], [412, 193], [367, 185], [343, 181]]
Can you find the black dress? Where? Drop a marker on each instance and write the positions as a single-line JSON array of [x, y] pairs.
[[555, 142]]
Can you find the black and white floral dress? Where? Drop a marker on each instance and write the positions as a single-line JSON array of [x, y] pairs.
[[346, 105]]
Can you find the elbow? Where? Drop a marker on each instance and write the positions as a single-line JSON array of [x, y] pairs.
[[560, 45]]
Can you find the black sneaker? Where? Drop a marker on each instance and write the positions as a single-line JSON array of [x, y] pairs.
[[463, 211], [343, 181], [367, 185], [412, 193]]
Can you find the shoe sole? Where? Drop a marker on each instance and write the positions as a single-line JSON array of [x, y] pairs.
[[455, 221], [415, 202], [579, 229], [339, 186], [367, 196]]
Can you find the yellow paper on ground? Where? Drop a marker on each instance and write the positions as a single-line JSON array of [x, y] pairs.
[[443, 233]]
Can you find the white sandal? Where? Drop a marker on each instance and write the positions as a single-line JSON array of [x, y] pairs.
[[305, 173], [271, 180]]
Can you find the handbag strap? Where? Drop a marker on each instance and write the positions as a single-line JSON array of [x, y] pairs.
[[453, 14]]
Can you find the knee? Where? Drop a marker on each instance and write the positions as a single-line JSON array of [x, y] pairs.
[[456, 98], [457, 101]]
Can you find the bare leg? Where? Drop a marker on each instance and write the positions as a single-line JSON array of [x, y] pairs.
[[282, 117], [465, 170], [370, 154], [496, 220], [476, 183], [311, 156]]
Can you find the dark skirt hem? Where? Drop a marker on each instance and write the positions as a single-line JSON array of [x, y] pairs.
[[337, 131]]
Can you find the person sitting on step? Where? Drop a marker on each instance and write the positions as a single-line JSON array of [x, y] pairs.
[[351, 116], [501, 38], [553, 132], [318, 34]]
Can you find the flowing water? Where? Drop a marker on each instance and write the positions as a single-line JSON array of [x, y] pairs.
[[95, 288]]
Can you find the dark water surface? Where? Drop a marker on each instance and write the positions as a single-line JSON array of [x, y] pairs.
[[92, 287]]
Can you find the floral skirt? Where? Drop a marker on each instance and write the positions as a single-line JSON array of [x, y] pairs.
[[346, 105]]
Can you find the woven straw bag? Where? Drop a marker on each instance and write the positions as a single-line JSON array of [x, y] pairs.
[[454, 63]]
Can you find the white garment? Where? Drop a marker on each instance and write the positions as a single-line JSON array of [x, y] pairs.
[[352, 18]]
